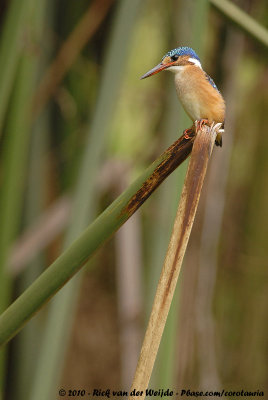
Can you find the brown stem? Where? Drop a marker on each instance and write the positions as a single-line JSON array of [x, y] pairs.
[[196, 172]]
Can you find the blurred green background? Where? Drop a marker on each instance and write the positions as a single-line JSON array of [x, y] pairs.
[[77, 126]]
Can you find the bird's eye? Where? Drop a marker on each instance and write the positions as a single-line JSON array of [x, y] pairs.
[[174, 58]]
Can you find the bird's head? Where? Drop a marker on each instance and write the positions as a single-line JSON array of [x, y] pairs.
[[175, 60]]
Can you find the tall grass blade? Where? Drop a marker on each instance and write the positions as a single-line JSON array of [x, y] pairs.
[[84, 204], [27, 345], [11, 47], [15, 146]]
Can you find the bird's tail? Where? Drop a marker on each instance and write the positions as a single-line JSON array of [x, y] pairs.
[[218, 140]]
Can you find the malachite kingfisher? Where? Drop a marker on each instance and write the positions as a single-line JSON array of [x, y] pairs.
[[197, 92]]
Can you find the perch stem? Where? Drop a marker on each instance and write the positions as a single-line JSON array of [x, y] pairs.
[[193, 183]]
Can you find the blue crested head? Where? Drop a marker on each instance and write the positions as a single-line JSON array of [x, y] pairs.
[[174, 60], [182, 51]]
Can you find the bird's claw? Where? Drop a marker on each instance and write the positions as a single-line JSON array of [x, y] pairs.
[[186, 133], [216, 126], [200, 123]]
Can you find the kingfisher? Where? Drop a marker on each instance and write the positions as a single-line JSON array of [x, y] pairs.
[[196, 90]]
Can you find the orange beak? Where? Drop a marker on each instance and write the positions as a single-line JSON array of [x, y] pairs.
[[158, 68]]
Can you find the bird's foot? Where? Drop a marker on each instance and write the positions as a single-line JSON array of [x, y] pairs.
[[200, 123], [187, 132], [216, 126]]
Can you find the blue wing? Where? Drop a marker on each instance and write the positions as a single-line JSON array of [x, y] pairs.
[[210, 80]]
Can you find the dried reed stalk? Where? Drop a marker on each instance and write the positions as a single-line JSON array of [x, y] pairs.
[[196, 172]]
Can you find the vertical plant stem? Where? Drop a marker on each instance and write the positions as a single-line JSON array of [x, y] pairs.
[[27, 343], [84, 206], [11, 46], [15, 152], [129, 292], [181, 231]]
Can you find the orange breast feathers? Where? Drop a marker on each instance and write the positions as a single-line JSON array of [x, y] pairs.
[[198, 97]]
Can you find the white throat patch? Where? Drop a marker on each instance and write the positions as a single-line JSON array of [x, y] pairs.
[[176, 68], [195, 62]]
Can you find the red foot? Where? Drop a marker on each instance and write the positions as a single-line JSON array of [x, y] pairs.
[[200, 123], [186, 133]]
